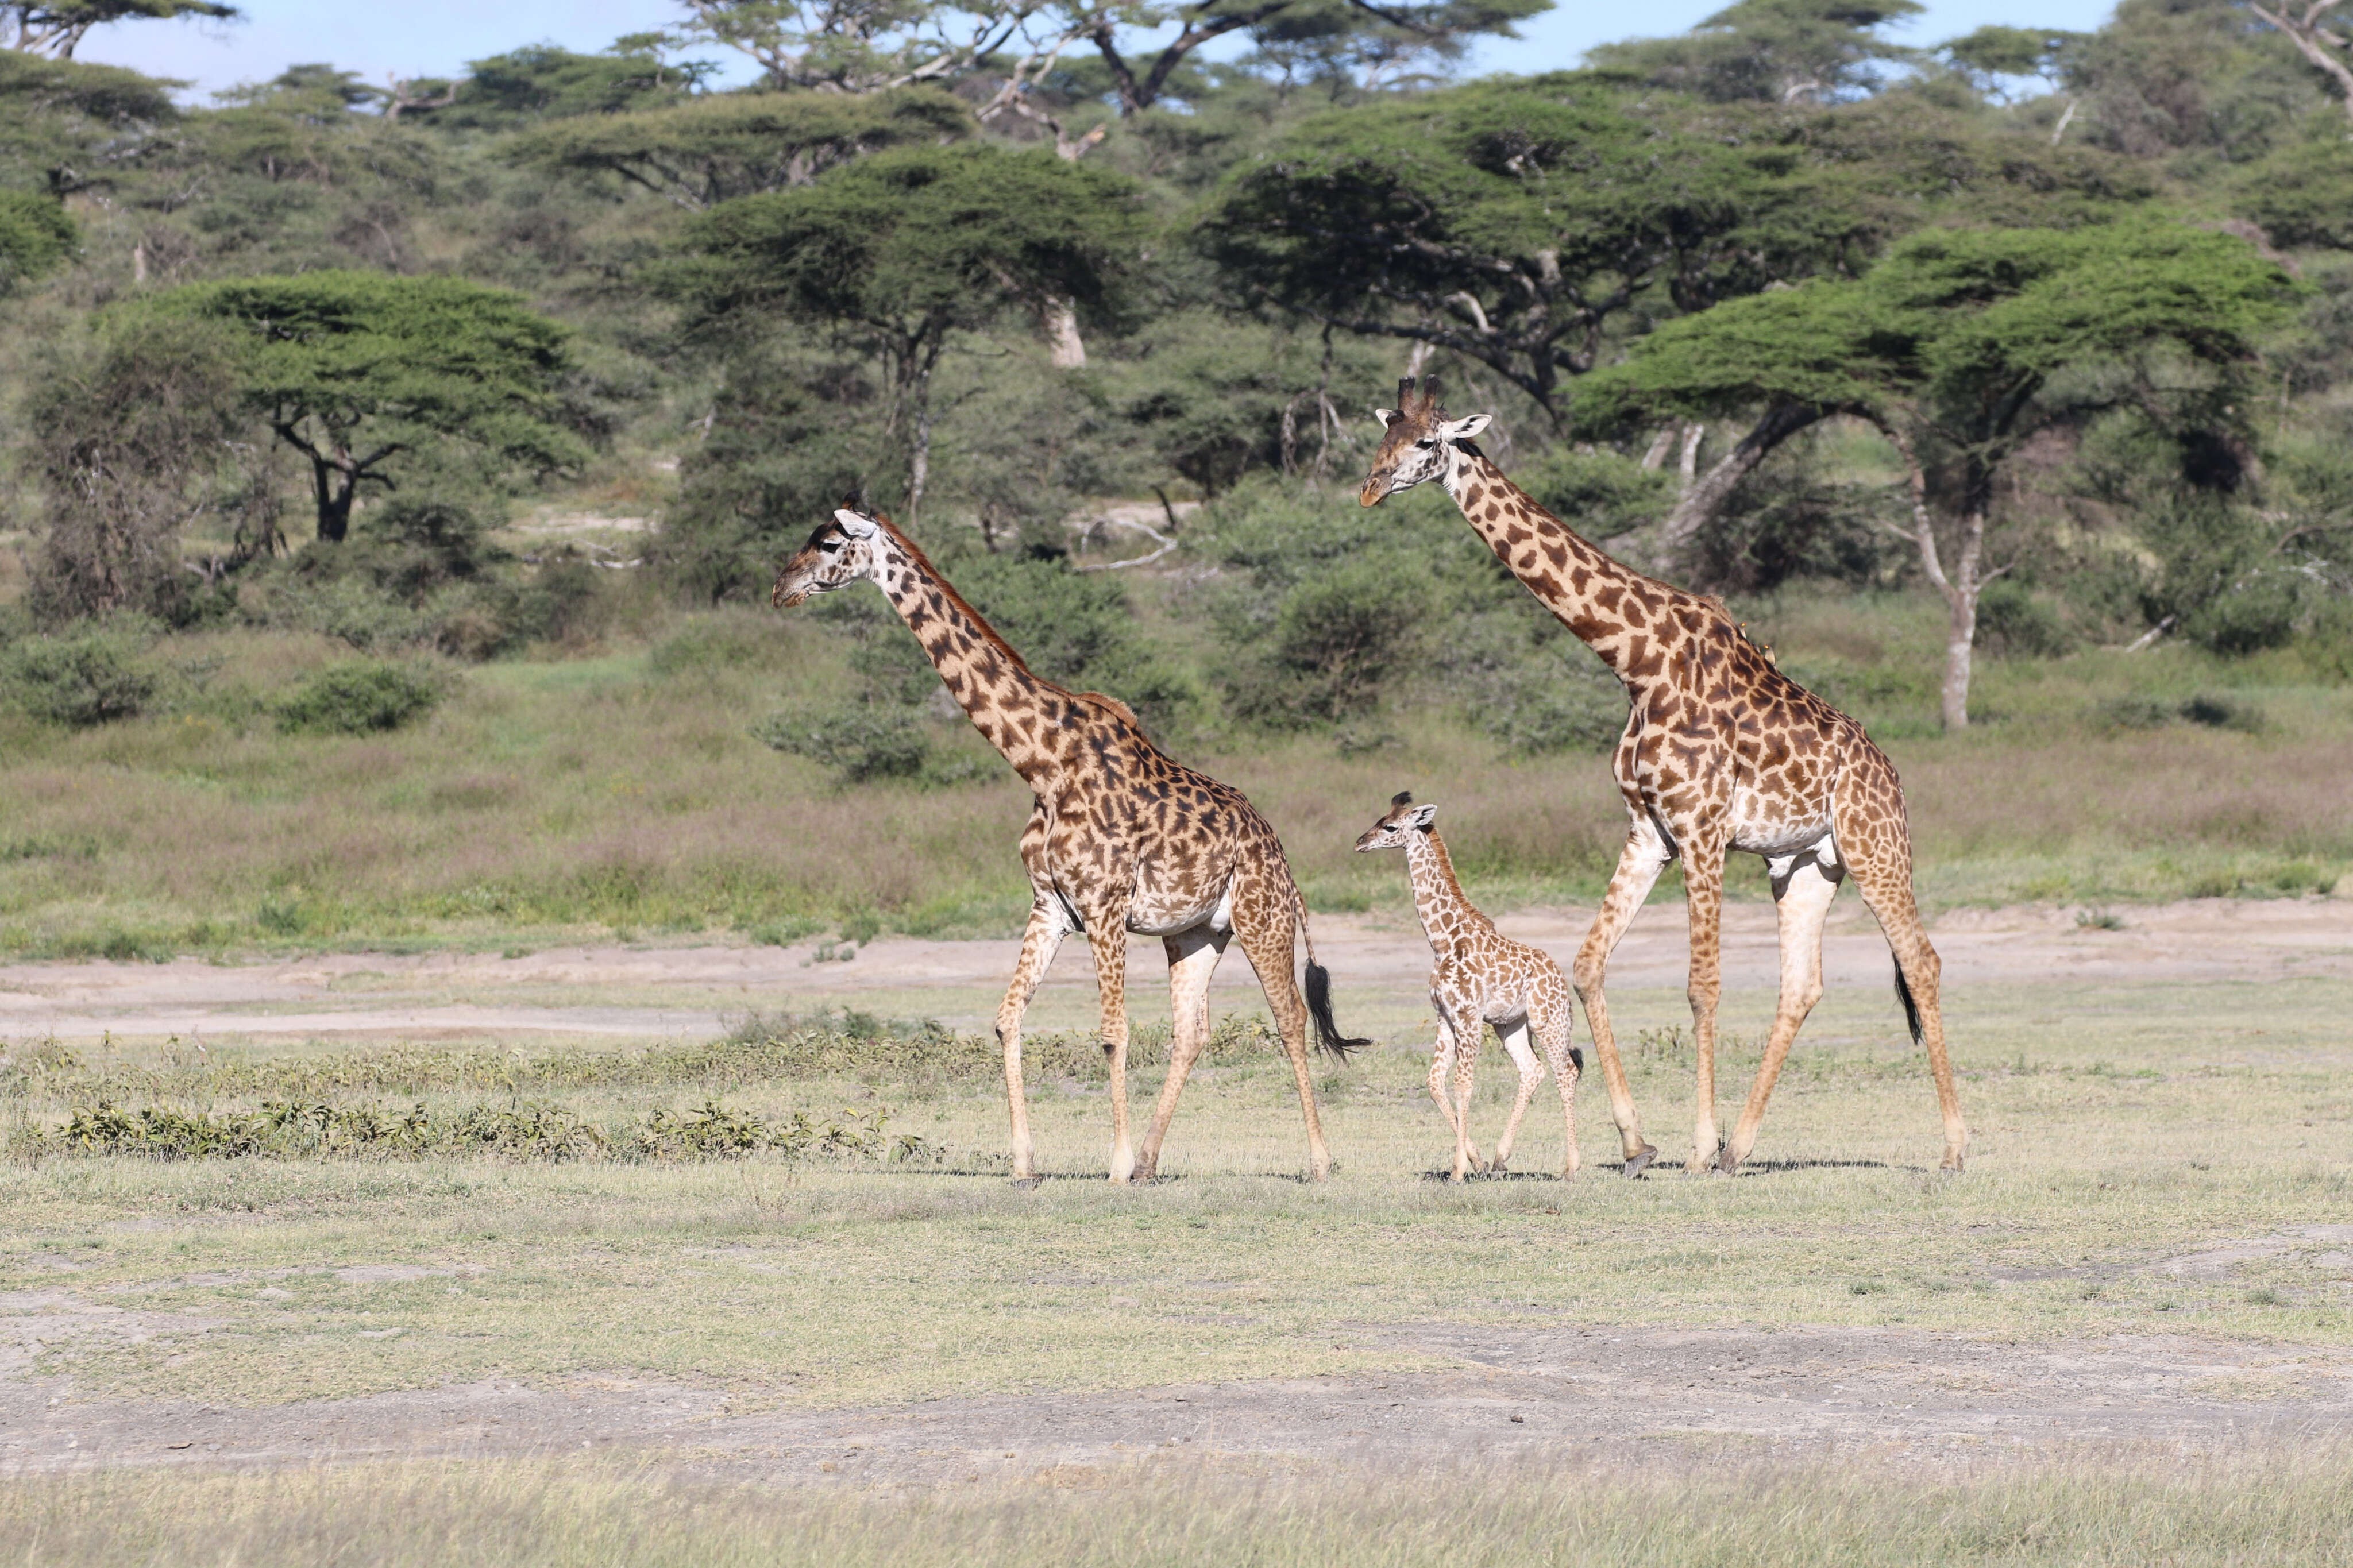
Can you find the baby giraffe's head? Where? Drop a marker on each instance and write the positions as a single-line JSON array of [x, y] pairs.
[[838, 554], [1414, 438], [1403, 817]]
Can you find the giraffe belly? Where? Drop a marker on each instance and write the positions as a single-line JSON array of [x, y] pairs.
[[1167, 911]]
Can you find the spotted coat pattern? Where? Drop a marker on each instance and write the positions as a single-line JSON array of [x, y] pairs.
[[1121, 839], [1721, 751], [1481, 978]]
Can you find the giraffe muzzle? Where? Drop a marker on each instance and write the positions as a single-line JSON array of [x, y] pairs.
[[1376, 490]]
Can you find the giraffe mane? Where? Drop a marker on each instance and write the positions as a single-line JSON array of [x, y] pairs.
[[948, 590]]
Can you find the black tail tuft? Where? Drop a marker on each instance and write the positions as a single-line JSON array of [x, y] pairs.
[[1577, 1058], [1911, 1008], [1319, 1003]]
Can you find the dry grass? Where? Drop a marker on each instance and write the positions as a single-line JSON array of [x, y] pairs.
[[623, 792], [2281, 1510]]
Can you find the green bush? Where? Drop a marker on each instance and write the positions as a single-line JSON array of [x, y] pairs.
[[2012, 623], [357, 698], [91, 678], [861, 742], [1339, 641]]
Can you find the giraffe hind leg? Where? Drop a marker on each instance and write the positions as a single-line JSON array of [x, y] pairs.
[[1516, 1045], [1878, 858]]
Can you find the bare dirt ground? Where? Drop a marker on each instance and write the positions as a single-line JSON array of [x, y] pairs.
[[1379, 968], [1621, 1395]]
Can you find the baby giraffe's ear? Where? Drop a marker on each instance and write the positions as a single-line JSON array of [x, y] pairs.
[[1385, 417], [1463, 429], [854, 524], [1422, 816]]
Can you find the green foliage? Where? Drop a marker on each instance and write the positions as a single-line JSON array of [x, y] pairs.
[[2302, 193], [360, 698], [35, 236], [707, 150], [82, 680]]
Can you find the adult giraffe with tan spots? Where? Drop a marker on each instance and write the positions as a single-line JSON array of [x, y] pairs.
[[1721, 752], [1121, 839]]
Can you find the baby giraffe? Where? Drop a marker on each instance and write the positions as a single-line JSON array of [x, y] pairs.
[[1481, 977]]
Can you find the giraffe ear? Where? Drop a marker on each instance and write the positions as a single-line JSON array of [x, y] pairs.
[[1422, 816], [1385, 417], [855, 525], [1463, 429]]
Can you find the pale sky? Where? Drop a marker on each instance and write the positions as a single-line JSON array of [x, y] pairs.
[[436, 37]]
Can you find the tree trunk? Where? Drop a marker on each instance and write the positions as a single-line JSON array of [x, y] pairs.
[[1065, 348], [918, 463], [2312, 40], [1705, 496], [1959, 588], [334, 489]]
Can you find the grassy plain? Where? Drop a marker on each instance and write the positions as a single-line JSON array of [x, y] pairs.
[[618, 789]]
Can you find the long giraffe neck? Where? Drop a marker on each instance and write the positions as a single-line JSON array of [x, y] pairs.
[[1621, 614], [1010, 707], [1446, 913]]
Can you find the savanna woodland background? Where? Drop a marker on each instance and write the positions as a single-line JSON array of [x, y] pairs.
[[396, 473]]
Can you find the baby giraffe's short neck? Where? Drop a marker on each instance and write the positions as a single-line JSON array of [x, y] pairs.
[[1446, 914]]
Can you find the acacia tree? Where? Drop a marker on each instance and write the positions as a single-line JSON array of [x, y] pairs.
[[1778, 51], [899, 252], [866, 45], [355, 368], [2306, 25], [713, 150], [1951, 347], [54, 27], [1514, 221]]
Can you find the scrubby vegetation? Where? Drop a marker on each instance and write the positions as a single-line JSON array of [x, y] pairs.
[[400, 471]]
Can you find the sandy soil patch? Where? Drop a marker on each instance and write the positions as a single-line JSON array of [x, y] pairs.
[[1626, 1395], [1380, 969]]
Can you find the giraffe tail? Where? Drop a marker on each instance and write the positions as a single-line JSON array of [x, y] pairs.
[[1911, 1008], [1328, 1037]]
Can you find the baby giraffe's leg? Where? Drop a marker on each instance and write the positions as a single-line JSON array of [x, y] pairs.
[[1468, 1040], [1554, 1022], [1516, 1042], [1441, 1066]]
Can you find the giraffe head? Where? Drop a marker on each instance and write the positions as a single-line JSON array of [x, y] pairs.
[[1415, 435], [1402, 818], [838, 554]]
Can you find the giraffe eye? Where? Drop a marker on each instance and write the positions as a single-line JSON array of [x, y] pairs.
[[1426, 442]]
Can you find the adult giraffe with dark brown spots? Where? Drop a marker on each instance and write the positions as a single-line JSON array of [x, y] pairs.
[[1122, 839], [1721, 752]]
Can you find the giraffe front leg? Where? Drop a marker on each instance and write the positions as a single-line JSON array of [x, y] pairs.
[[1639, 868], [1441, 1068], [1516, 1045], [1040, 941], [1107, 935], [1704, 891], [1468, 1039]]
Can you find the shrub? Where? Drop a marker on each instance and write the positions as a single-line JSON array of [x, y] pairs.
[[867, 740], [357, 698], [1600, 494], [1546, 704], [1338, 640], [2013, 623], [90, 678]]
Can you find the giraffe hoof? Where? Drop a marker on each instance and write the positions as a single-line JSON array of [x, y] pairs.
[[1725, 1165], [1638, 1163]]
